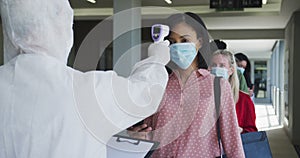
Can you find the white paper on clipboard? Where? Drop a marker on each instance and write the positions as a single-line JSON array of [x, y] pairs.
[[126, 147]]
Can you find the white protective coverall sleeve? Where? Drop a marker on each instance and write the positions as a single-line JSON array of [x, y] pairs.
[[116, 102], [106, 103]]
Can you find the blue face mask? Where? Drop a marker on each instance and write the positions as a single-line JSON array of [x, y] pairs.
[[220, 72], [241, 69], [183, 54]]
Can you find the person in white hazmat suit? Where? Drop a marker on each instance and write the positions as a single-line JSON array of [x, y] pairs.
[[49, 110]]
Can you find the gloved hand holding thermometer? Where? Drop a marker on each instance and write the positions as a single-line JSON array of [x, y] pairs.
[[160, 47]]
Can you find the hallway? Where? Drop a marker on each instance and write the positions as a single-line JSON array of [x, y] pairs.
[[266, 120]]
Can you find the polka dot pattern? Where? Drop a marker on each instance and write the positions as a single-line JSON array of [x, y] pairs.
[[185, 124]]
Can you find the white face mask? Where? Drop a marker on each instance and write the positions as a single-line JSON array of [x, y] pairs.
[[183, 54], [241, 69], [220, 72]]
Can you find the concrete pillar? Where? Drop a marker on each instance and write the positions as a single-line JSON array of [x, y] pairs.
[[277, 80], [269, 85], [126, 18], [1, 45], [281, 81], [272, 80]]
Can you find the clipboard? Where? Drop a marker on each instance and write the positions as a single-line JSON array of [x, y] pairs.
[[120, 146]]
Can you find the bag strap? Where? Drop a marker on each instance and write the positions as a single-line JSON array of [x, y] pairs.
[[217, 92]]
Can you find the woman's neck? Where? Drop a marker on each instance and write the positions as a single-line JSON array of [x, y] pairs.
[[185, 74]]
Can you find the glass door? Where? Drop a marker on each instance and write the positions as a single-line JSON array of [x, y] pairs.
[[260, 79]]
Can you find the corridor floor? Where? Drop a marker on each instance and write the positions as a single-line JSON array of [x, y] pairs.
[[279, 142]]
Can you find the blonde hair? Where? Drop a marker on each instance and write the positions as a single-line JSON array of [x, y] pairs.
[[233, 79]]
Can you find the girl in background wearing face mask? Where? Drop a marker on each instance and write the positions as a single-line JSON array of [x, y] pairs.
[[185, 124], [243, 84], [223, 65], [244, 66]]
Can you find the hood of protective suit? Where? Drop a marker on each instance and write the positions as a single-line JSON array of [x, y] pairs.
[[28, 30]]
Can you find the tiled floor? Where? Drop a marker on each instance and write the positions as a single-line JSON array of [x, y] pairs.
[[280, 144]]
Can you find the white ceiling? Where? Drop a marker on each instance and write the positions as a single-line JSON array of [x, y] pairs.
[[274, 15], [255, 49]]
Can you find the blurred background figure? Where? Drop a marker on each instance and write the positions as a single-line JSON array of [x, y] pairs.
[[245, 67], [217, 44]]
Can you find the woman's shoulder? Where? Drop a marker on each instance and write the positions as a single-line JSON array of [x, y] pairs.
[[205, 74], [207, 78]]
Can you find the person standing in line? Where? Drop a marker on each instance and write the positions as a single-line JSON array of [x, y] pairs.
[[223, 65], [185, 124], [245, 66], [221, 45], [243, 84]]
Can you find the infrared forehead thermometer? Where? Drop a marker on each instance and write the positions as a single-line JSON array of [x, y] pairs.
[[159, 32]]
